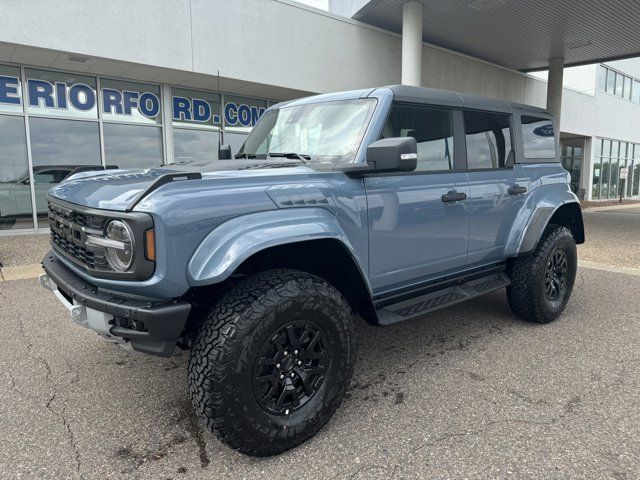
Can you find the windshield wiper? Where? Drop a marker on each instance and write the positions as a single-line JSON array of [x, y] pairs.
[[244, 155], [300, 156]]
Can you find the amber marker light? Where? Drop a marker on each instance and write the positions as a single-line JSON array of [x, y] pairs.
[[150, 245]]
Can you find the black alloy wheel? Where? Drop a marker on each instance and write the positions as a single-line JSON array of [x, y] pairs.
[[555, 278], [291, 367]]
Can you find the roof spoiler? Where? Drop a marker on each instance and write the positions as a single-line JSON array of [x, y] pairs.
[[163, 180]]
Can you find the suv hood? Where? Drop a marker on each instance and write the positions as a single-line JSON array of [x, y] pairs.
[[119, 189]]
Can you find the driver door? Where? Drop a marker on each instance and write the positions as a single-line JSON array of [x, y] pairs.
[[418, 221]]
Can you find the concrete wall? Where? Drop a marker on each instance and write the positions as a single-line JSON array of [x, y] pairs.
[[270, 42]]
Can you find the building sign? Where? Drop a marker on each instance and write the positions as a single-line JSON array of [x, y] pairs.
[[10, 90], [196, 109], [544, 130], [242, 113], [51, 93]]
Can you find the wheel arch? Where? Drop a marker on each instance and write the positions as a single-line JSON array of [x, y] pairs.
[[568, 214], [327, 258], [305, 239]]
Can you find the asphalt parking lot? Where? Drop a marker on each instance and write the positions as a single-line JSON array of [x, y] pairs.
[[468, 392]]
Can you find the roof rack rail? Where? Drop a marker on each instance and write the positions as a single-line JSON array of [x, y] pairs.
[[163, 180]]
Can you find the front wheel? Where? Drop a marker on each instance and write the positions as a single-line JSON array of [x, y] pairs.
[[272, 361], [541, 282]]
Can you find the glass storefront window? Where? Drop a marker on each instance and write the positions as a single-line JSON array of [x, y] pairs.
[[74, 119], [242, 113], [619, 84], [610, 157], [597, 170], [15, 188], [572, 162], [123, 101], [611, 81], [195, 145], [235, 140], [627, 88], [132, 146], [55, 94], [602, 77], [195, 109], [10, 89], [615, 180], [57, 148]]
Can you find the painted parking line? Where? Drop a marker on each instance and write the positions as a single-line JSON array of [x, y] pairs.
[[608, 268]]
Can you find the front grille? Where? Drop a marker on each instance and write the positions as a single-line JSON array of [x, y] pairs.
[[93, 222], [68, 234]]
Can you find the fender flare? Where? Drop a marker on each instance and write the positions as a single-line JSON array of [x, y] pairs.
[[234, 241], [537, 223]]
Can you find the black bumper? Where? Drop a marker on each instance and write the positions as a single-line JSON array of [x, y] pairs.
[[158, 323]]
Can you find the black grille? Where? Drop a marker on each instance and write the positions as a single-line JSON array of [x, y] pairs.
[[68, 234], [93, 222]]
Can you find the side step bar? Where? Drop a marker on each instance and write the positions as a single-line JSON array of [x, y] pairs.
[[417, 306]]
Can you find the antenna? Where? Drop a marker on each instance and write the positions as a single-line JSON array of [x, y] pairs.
[[221, 112]]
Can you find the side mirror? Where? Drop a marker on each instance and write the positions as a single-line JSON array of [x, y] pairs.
[[393, 155], [224, 152]]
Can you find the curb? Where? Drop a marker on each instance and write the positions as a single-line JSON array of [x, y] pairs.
[[20, 272]]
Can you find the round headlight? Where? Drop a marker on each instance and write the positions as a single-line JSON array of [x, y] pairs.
[[120, 255]]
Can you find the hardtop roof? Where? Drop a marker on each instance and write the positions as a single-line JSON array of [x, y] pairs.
[[431, 96], [406, 93]]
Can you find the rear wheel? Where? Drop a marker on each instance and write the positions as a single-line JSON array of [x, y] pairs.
[[272, 361], [541, 282]]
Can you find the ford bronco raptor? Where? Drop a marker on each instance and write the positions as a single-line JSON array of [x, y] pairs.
[[387, 203]]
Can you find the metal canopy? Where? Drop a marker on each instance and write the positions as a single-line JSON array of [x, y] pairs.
[[519, 34]]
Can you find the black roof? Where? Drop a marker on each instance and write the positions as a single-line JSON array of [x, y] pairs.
[[434, 96]]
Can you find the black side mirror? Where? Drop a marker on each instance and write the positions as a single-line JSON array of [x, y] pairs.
[[393, 155], [224, 152]]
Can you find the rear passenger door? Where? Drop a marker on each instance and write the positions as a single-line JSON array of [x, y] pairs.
[[415, 234], [497, 186]]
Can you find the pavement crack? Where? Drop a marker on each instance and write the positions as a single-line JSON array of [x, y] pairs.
[[62, 417]]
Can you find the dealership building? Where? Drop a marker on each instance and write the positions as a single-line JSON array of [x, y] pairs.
[[144, 83]]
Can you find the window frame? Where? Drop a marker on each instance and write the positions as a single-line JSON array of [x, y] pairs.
[[521, 156], [512, 129], [459, 162]]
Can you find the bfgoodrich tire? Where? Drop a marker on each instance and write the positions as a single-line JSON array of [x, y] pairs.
[[272, 361], [541, 282]]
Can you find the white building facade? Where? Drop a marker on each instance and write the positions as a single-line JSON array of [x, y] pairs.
[[130, 84]]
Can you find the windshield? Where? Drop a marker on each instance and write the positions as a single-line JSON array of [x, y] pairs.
[[327, 132]]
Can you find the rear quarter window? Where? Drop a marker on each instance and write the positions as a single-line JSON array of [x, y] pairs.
[[538, 137]]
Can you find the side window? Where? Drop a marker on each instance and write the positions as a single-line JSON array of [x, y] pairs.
[[488, 137], [537, 136], [431, 127], [44, 177]]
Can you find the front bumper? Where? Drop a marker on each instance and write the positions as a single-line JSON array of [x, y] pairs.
[[147, 325]]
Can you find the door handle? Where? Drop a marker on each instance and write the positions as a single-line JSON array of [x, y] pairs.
[[517, 190], [453, 196]]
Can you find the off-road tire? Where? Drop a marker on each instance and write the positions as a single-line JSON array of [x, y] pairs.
[[527, 293], [224, 355]]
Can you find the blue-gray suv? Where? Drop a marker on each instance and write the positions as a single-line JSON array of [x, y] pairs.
[[386, 204]]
